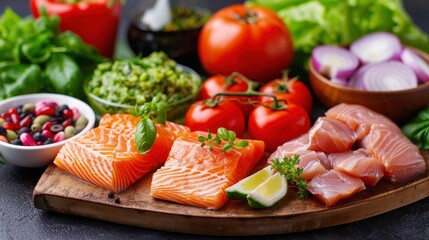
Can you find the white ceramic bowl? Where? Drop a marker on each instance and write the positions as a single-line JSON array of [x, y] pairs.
[[39, 156]]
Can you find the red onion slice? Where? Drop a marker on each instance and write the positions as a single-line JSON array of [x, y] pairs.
[[388, 76], [334, 61], [340, 81], [377, 47], [416, 63], [355, 80]]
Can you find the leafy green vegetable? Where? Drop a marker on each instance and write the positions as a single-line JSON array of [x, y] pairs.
[[145, 134], [63, 75], [222, 134], [16, 79], [417, 130], [339, 22], [287, 167], [35, 53]]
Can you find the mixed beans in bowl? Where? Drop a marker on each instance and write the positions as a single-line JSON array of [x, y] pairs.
[[34, 127]]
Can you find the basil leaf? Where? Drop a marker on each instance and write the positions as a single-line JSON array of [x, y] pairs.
[[161, 114], [63, 75], [19, 79], [145, 135]]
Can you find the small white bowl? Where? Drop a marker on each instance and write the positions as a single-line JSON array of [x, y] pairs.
[[40, 156]]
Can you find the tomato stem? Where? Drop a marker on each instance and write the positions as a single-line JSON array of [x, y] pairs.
[[284, 84], [277, 105], [250, 16], [250, 92]]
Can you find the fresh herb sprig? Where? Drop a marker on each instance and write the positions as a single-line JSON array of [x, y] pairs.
[[225, 135], [145, 134], [293, 174]]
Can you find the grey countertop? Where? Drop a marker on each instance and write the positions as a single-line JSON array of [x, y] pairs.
[[20, 220]]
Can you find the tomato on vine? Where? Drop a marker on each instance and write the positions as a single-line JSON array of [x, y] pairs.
[[209, 116], [233, 83], [276, 123], [290, 89]]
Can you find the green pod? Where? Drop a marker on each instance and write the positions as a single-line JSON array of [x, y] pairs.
[[69, 132], [28, 108], [42, 119], [36, 127], [10, 135]]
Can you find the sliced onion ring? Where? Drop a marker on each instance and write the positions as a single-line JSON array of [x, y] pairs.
[[340, 81], [334, 61], [377, 47], [416, 63], [388, 76], [355, 79]]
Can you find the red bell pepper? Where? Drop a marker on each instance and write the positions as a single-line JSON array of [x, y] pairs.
[[94, 21]]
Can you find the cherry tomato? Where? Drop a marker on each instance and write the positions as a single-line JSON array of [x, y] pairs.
[[291, 90], [201, 117], [218, 83], [251, 40], [276, 127]]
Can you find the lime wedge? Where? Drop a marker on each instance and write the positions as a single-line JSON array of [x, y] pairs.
[[241, 189], [269, 192]]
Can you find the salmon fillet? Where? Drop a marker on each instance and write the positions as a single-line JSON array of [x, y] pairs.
[[358, 163], [107, 156], [334, 186], [194, 175]]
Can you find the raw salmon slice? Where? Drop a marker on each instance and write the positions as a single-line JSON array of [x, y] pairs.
[[401, 159], [359, 118], [358, 163], [330, 135], [126, 123], [107, 156], [334, 186], [194, 175]]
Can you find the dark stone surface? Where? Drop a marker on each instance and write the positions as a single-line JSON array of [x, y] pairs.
[[20, 220]]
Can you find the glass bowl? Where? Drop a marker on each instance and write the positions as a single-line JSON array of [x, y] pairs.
[[175, 110]]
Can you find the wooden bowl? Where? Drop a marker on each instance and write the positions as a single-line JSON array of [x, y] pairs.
[[399, 106]]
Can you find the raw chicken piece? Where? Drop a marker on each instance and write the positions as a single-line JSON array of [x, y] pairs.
[[291, 147], [358, 163], [311, 162], [334, 186], [359, 118], [401, 159], [330, 135]]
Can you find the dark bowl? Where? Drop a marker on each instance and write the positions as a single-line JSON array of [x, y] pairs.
[[180, 45]]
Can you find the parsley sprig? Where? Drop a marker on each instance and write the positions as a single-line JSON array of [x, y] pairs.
[[293, 174], [225, 135]]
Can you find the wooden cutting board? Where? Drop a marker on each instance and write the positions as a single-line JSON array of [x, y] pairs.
[[60, 192]]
